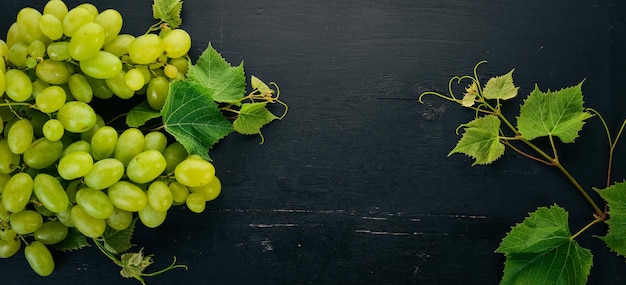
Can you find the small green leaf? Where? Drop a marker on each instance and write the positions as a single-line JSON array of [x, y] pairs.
[[259, 85], [75, 240], [481, 140], [540, 251], [251, 117], [226, 83], [168, 11], [140, 114], [119, 241], [501, 87], [193, 118], [615, 196], [134, 263], [557, 114]]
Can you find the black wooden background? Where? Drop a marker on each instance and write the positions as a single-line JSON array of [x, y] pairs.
[[354, 186]]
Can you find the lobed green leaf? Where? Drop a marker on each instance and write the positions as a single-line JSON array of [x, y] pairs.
[[226, 83], [75, 240], [168, 11], [481, 140], [119, 241], [615, 196], [251, 117], [501, 87]]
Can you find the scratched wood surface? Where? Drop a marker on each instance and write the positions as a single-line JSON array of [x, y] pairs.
[[354, 186]]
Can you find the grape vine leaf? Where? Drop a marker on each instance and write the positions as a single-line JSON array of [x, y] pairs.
[[481, 140], [168, 11], [251, 117], [540, 251], [501, 87], [140, 114], [73, 241], [119, 241], [226, 83], [193, 118], [615, 196], [555, 114]]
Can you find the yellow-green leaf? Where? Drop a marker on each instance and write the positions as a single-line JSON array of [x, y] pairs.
[[615, 196], [501, 87], [481, 140], [168, 11]]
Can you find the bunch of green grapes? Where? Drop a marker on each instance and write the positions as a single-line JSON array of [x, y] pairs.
[[61, 166]]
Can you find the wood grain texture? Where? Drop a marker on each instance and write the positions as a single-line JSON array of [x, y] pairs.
[[354, 186]]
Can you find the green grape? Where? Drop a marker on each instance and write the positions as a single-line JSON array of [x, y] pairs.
[[4, 177], [119, 220], [94, 203], [9, 161], [155, 140], [18, 53], [36, 49], [145, 49], [65, 217], [159, 196], [147, 74], [50, 193], [30, 62], [146, 166], [103, 65], [51, 26], [4, 214], [181, 63], [176, 43], [119, 44], [86, 136], [174, 154], [39, 258], [134, 79], [129, 144], [86, 224], [77, 117], [4, 51], [150, 217], [99, 88], [87, 41], [104, 142], [28, 24], [111, 21], [195, 202], [18, 85], [127, 196], [53, 130], [50, 99], [210, 191], [170, 71], [25, 222], [10, 247], [7, 233], [76, 18], [77, 146], [90, 7], [117, 84], [80, 88], [38, 86], [13, 35], [75, 165], [53, 72], [157, 91], [3, 85], [51, 232], [179, 193], [42, 153], [194, 172], [104, 173], [59, 51], [20, 136], [56, 8], [41, 209]]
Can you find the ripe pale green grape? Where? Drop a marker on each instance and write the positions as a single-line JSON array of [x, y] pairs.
[[9, 247], [3, 181], [170, 71], [77, 146], [119, 220], [129, 144], [111, 21], [59, 51], [103, 142], [86, 224], [145, 49], [159, 196], [20, 136], [179, 193], [102, 65], [75, 165], [77, 117], [134, 79], [176, 43], [18, 53], [56, 8], [210, 191], [127, 196], [53, 130], [42, 153], [36, 49], [25, 222], [90, 7], [174, 154], [28, 24], [38, 86], [76, 18], [87, 41], [51, 232], [86, 136], [146, 166], [9, 161], [194, 172], [65, 217], [117, 84], [156, 141], [40, 208], [195, 202], [94, 203], [39, 258], [30, 62], [53, 72], [51, 26], [99, 88], [157, 91], [13, 35], [119, 44], [81, 90], [150, 217], [17, 191], [50, 193], [104, 173], [50, 99], [18, 85]]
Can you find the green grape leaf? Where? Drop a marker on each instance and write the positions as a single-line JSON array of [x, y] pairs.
[[134, 263], [259, 85], [119, 241], [251, 117], [226, 83], [193, 118], [73, 241], [615, 196], [168, 11], [539, 251], [555, 114], [481, 140], [501, 87], [140, 114]]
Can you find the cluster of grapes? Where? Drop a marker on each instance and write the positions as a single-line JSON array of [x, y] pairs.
[[61, 166]]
